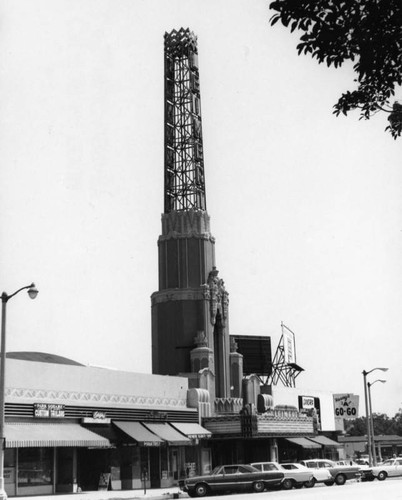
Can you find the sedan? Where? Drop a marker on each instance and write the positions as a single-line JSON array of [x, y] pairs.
[[389, 468], [231, 478], [365, 471], [296, 475], [339, 474]]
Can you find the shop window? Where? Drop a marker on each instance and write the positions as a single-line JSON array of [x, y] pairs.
[[174, 466], [144, 462], [164, 464], [35, 466], [9, 458], [190, 464], [9, 466], [65, 472]]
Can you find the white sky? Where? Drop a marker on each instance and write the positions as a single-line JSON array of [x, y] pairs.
[[306, 208]]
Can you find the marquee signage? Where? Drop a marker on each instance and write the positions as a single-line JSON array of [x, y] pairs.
[[312, 406], [307, 402], [49, 410]]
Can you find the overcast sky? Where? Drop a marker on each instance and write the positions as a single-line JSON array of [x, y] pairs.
[[306, 208]]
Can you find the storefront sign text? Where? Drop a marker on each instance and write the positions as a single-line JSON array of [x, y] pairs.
[[49, 410], [98, 417]]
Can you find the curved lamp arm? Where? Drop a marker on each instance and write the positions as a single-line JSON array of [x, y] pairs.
[[32, 292]]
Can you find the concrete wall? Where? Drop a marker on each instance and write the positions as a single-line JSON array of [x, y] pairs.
[[28, 381]]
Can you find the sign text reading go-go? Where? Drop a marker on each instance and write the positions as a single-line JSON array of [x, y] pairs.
[[346, 405], [346, 412]]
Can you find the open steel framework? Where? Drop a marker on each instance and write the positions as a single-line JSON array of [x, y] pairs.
[[284, 366], [184, 159]]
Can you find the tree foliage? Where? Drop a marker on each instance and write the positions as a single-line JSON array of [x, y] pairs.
[[366, 32], [383, 425]]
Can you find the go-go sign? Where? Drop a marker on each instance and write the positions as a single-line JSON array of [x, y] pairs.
[[348, 412], [346, 405]]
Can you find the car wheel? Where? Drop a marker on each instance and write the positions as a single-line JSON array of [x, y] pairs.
[[258, 486], [329, 483], [382, 475], [311, 483], [340, 479], [287, 484], [201, 489]]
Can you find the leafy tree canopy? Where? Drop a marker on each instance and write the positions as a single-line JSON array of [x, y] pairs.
[[367, 32], [383, 425]]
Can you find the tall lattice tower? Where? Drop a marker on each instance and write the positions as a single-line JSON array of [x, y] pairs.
[[190, 310], [184, 161]]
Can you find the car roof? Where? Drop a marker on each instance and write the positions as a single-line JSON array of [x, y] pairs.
[[318, 460], [263, 463]]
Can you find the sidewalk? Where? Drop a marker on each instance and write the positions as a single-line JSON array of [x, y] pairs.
[[154, 494]]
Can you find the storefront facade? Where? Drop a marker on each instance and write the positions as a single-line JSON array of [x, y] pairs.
[[275, 433], [71, 428]]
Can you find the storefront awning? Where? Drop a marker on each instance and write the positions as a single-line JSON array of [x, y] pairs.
[[167, 433], [139, 433], [303, 442], [324, 441], [192, 431], [115, 436], [34, 435]]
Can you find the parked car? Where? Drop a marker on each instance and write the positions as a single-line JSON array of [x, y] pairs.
[[231, 478], [296, 475], [362, 461], [389, 468], [321, 475], [365, 471], [339, 473]]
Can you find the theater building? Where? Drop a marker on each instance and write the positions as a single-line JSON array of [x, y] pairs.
[[190, 309], [71, 427]]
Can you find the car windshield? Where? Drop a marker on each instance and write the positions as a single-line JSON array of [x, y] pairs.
[[233, 469], [270, 467], [312, 465], [216, 470]]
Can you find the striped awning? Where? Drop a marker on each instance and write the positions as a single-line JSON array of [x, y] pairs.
[[324, 441], [192, 431], [140, 434], [303, 442], [167, 433], [33, 435]]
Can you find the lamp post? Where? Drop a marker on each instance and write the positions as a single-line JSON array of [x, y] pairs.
[[371, 418], [369, 445], [32, 292]]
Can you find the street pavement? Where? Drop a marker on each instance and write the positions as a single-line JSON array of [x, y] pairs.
[[390, 489], [154, 494]]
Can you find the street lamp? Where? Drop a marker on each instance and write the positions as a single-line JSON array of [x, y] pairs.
[[32, 292], [371, 418], [369, 446]]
